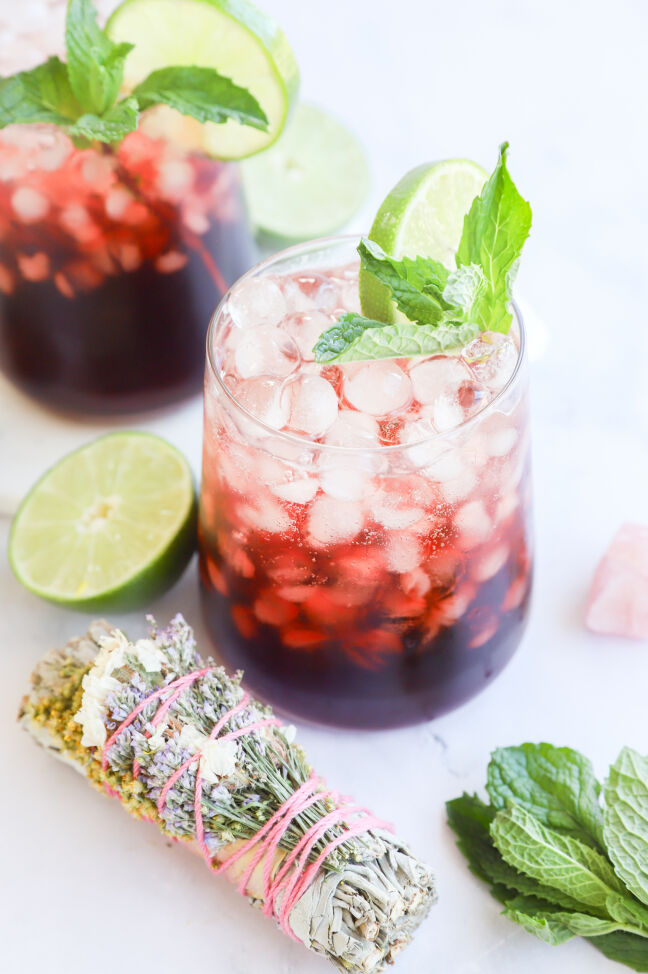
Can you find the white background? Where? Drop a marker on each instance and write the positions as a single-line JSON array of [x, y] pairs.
[[87, 889]]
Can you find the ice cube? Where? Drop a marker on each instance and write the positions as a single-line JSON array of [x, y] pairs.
[[352, 429], [332, 521], [499, 435], [34, 267], [447, 413], [473, 523], [117, 202], [490, 563], [309, 291], [438, 376], [172, 261], [194, 217], [403, 554], [264, 514], [312, 404], [484, 623], [265, 350], [257, 301], [52, 149], [618, 598], [325, 296], [175, 179], [378, 388], [298, 491], [78, 223], [290, 567], [129, 256], [261, 396], [447, 391], [491, 358], [416, 583], [29, 205], [426, 446], [98, 172], [344, 478], [394, 505], [296, 300], [305, 328], [271, 609]]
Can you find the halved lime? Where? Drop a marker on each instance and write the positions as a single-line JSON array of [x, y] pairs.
[[231, 36], [110, 526], [421, 217], [311, 182]]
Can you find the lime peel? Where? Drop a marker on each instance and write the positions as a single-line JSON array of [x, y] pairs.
[[110, 526], [232, 36]]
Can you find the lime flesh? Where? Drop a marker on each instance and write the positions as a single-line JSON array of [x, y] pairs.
[[110, 526], [231, 36], [422, 217], [311, 182]]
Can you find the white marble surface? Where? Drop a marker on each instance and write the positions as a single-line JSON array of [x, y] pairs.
[[566, 84]]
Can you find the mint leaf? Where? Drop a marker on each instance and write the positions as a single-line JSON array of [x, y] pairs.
[[464, 287], [553, 859], [627, 910], [544, 926], [626, 821], [554, 784], [112, 126], [626, 948], [43, 94], [354, 338], [202, 93], [95, 64], [495, 229], [416, 286], [557, 926], [470, 819]]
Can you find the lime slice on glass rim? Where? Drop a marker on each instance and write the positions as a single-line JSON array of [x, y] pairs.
[[422, 217], [311, 182], [231, 36], [110, 526]]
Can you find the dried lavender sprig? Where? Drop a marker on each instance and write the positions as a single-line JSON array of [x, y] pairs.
[[359, 911]]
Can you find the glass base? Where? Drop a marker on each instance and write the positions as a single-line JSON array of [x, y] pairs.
[[133, 344], [323, 687]]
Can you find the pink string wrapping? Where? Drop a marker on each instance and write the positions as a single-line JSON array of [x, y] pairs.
[[294, 874]]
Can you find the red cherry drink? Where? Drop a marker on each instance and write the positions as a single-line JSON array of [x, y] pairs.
[[364, 528], [111, 262]]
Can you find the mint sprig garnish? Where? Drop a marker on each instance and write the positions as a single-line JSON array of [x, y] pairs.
[[202, 93], [560, 863], [95, 64], [353, 338], [81, 95], [495, 230], [458, 303]]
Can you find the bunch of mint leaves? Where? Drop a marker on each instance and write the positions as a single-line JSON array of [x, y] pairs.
[[444, 308], [562, 864], [81, 95]]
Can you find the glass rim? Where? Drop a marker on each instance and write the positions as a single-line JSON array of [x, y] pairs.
[[323, 243]]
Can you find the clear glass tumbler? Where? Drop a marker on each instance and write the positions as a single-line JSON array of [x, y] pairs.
[[377, 573], [111, 259]]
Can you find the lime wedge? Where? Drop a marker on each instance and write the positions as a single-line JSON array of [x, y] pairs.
[[421, 217], [231, 36], [110, 526], [311, 182]]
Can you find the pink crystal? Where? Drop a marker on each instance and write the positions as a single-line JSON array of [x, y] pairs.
[[618, 599]]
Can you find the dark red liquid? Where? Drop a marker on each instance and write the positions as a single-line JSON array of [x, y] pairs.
[[376, 668], [103, 311], [134, 343]]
